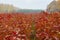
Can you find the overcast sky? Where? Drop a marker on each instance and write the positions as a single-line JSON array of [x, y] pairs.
[[28, 4]]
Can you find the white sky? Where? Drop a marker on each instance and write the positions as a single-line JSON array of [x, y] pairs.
[[28, 4]]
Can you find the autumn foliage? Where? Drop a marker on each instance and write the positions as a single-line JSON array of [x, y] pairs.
[[30, 26]]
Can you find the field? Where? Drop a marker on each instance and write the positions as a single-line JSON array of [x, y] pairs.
[[30, 26]]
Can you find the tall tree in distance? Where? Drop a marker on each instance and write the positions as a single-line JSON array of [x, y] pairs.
[[54, 6]]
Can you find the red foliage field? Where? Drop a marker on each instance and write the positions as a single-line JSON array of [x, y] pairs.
[[30, 26]]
